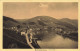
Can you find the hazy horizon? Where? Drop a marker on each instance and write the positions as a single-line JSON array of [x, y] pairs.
[[27, 10], [36, 16]]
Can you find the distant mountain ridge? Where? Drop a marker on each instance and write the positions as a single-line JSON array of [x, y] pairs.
[[64, 23], [70, 21], [52, 22]]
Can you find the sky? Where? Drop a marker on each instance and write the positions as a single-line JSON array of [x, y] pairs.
[[27, 10]]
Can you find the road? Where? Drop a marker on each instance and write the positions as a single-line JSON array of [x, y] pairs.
[[27, 39]]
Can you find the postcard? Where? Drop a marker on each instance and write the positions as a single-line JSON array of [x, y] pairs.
[[32, 25]]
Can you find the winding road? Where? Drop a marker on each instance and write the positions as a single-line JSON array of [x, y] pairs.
[[27, 39]]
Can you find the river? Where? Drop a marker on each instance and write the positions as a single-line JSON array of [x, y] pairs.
[[58, 42]]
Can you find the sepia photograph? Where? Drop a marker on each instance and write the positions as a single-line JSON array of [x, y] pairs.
[[40, 25]]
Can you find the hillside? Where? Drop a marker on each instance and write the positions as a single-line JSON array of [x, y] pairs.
[[51, 22], [9, 22], [45, 26], [74, 22]]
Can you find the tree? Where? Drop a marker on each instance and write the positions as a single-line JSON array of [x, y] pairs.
[[18, 26]]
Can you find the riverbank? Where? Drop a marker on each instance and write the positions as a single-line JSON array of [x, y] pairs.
[[58, 42]]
